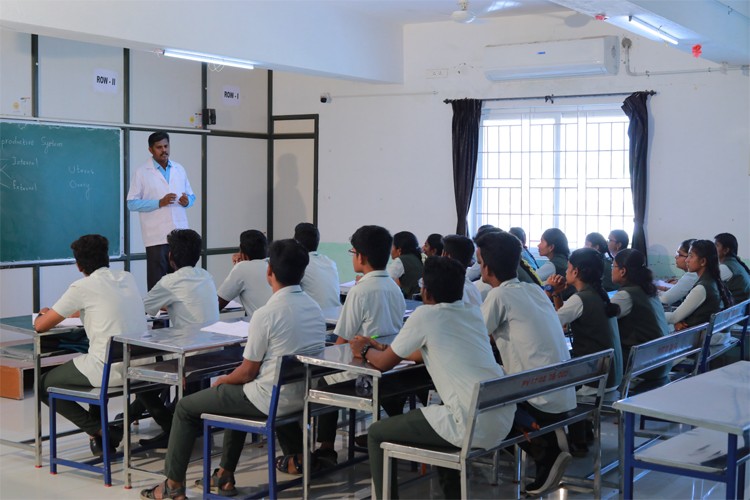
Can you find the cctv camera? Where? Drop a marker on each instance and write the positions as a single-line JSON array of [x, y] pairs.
[[325, 98]]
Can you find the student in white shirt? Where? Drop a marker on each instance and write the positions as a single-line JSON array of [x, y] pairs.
[[189, 294], [733, 271], [374, 307], [618, 240], [461, 248], [433, 245], [290, 323], [247, 279], [553, 244], [321, 281], [109, 304], [523, 323], [682, 286], [451, 339]]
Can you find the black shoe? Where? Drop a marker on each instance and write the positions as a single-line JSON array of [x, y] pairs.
[[548, 474], [158, 442], [95, 443]]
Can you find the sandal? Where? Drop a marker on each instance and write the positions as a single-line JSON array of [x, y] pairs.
[[216, 485], [166, 492], [282, 464]]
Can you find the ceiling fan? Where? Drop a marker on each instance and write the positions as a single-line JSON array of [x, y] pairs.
[[463, 14]]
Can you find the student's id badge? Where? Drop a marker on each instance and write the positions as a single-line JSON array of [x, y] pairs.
[[433, 398]]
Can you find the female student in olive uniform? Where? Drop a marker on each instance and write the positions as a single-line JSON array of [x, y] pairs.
[[406, 267], [598, 243], [641, 316], [553, 245], [686, 282], [734, 272]]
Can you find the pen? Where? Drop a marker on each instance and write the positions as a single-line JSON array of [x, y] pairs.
[[375, 336]]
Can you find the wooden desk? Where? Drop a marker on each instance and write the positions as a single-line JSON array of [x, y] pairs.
[[717, 401], [179, 342], [24, 325]]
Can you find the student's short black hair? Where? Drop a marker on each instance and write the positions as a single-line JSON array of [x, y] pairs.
[[444, 279], [620, 237], [407, 242], [435, 240], [91, 252], [156, 137], [487, 228], [519, 233], [185, 247], [308, 235], [254, 244], [459, 247], [374, 242], [288, 260], [501, 253]]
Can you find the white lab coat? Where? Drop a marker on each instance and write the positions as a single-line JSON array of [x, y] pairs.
[[149, 184]]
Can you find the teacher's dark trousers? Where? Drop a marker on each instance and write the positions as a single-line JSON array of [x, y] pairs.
[[157, 264]]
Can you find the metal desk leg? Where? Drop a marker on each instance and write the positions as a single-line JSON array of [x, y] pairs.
[[37, 401], [627, 457], [731, 466], [375, 418], [306, 436], [126, 416]]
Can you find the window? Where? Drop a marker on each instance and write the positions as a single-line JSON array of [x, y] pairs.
[[565, 168]]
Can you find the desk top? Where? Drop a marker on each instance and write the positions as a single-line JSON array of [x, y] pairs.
[[25, 325], [332, 314], [179, 340], [718, 400], [340, 357]]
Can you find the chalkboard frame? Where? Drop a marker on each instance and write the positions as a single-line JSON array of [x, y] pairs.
[[60, 251]]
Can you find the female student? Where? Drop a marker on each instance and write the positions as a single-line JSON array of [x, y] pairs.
[[554, 245], [686, 282], [598, 243], [734, 272], [433, 245], [709, 292], [591, 317], [406, 266], [641, 316]]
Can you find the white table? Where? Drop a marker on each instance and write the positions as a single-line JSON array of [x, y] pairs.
[[717, 401]]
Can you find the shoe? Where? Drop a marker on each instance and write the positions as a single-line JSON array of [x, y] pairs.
[[361, 440], [549, 475], [97, 449], [157, 442]]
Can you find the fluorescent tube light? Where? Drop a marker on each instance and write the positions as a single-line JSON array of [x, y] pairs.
[[208, 58], [652, 30]]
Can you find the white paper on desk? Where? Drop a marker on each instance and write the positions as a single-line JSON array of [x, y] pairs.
[[663, 283], [66, 323], [345, 287], [235, 328], [233, 304]]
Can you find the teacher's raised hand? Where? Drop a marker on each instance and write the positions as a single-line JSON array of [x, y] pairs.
[[169, 199]]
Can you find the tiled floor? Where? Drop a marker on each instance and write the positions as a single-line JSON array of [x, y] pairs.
[[20, 480]]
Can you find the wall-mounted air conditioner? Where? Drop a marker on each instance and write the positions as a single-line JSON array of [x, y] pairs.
[[584, 57]]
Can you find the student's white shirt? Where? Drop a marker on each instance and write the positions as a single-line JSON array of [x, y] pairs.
[[321, 281], [110, 304], [571, 310], [248, 280], [474, 272], [622, 299], [290, 323], [545, 271], [725, 273], [456, 351], [694, 299], [189, 294], [148, 183], [395, 268], [483, 288], [678, 292], [374, 306], [472, 295], [522, 320]]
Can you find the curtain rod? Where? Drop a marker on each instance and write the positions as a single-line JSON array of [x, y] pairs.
[[551, 98]]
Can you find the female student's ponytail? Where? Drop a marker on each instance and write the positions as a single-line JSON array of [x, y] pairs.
[[637, 271], [530, 270], [407, 243], [729, 241], [590, 267], [706, 249]]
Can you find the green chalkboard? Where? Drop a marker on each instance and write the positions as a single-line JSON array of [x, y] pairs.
[[57, 182]]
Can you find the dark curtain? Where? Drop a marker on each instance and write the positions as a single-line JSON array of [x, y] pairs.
[[635, 107], [466, 119]]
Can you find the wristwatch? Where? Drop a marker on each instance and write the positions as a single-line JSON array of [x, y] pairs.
[[364, 350]]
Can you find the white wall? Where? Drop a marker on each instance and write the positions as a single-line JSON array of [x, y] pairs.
[[387, 158]]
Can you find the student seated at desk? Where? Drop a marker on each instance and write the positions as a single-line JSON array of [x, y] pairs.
[[598, 243], [682, 286], [526, 254], [734, 272], [289, 323], [406, 266], [451, 338], [523, 324], [709, 295], [373, 307], [247, 279], [433, 245], [553, 245], [110, 304], [461, 248], [641, 317], [321, 281], [189, 294]]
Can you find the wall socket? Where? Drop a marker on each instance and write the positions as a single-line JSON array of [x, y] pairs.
[[437, 73]]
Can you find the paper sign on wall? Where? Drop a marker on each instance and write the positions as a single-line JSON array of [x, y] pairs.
[[231, 95], [106, 81]]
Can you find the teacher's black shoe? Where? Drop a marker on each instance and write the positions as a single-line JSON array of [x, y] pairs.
[[157, 442]]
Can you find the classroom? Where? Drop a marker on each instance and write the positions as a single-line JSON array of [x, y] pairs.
[[346, 120]]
